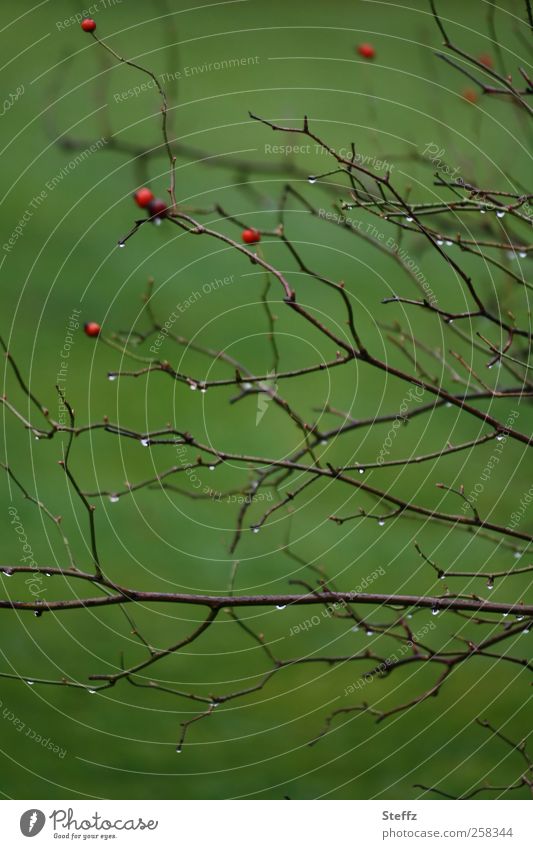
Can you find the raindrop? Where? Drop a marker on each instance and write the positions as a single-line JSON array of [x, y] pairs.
[[323, 441], [369, 632], [122, 244], [178, 750], [281, 606], [434, 611], [255, 530], [145, 442], [490, 584], [381, 522], [500, 438], [522, 254], [409, 219], [113, 498], [214, 704], [505, 614], [203, 390], [355, 628], [92, 692], [526, 631], [519, 618], [361, 471], [247, 386], [442, 576], [448, 404], [31, 683], [211, 468], [111, 377], [193, 386], [37, 613], [311, 180], [48, 574], [482, 211], [517, 554], [409, 615], [157, 222], [448, 243], [500, 213], [7, 572], [440, 242], [37, 438]]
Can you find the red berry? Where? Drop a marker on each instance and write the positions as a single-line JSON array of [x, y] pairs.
[[486, 59], [470, 95], [366, 51], [157, 208], [88, 25], [143, 197], [92, 328], [251, 236]]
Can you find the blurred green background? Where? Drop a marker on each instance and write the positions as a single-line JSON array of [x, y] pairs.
[[294, 59]]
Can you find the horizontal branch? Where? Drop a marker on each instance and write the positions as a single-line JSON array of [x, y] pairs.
[[434, 603]]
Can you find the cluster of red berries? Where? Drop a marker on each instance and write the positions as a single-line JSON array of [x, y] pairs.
[[367, 51], [146, 199], [251, 236], [88, 25]]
